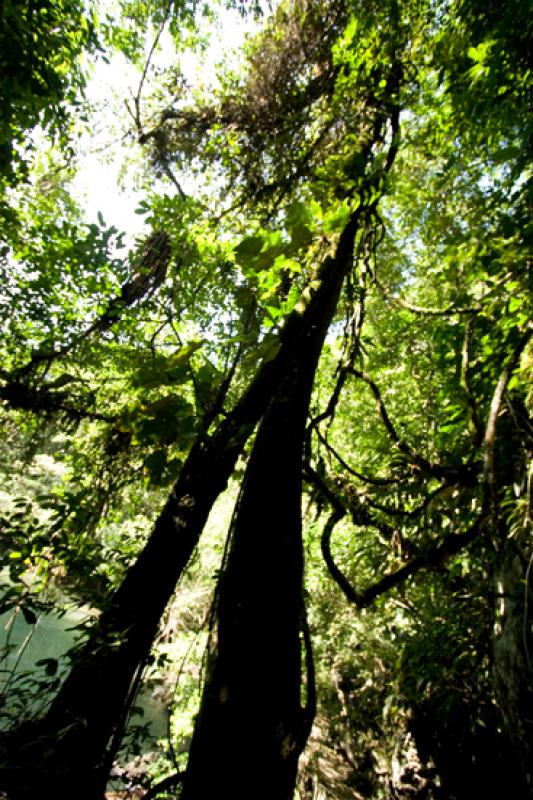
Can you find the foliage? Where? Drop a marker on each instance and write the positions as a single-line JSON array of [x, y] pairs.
[[41, 45], [409, 117]]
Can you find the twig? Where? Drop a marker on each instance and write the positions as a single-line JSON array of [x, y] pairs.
[[137, 99], [365, 478], [309, 711], [19, 396], [465, 381]]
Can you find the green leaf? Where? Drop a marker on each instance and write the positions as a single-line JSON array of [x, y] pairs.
[[336, 219], [506, 154], [248, 249], [61, 381], [298, 213], [266, 259], [301, 235], [270, 347]]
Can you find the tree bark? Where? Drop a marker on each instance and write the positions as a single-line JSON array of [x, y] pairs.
[[513, 653], [68, 753], [251, 727]]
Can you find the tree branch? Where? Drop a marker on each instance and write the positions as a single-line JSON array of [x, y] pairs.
[[309, 710], [19, 396], [449, 311], [465, 381], [151, 270], [432, 558], [464, 475], [364, 478], [489, 439]]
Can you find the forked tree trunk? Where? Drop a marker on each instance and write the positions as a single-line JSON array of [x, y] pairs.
[[251, 727], [67, 755]]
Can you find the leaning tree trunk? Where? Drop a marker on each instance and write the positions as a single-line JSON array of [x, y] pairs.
[[68, 753], [513, 653], [251, 727]]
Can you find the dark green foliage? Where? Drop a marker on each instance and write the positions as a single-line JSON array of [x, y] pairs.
[[352, 278], [41, 44]]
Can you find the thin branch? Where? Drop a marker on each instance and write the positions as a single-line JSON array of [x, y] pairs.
[[364, 478], [329, 411], [21, 397], [338, 576], [391, 430], [453, 542], [489, 439], [151, 270], [401, 512], [465, 475], [432, 558], [137, 99], [465, 381], [359, 514], [309, 710], [449, 311]]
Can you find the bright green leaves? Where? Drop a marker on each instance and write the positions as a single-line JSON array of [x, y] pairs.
[[259, 252], [300, 225], [169, 422], [336, 219], [264, 249], [206, 380], [172, 370], [301, 236], [483, 52], [271, 261], [480, 56]]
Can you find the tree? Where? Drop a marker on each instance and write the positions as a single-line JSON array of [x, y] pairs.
[[318, 169], [41, 45]]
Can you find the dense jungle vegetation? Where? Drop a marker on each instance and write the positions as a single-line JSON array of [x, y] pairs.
[[266, 455]]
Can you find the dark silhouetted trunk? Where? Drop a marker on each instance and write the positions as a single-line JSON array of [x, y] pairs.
[[68, 754], [251, 727], [513, 653]]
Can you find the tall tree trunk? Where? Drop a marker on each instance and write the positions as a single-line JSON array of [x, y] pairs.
[[251, 727], [67, 754], [513, 653]]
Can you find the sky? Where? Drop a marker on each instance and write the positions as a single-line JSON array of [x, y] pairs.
[[108, 169]]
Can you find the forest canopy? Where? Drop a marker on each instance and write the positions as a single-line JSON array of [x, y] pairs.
[[267, 442]]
